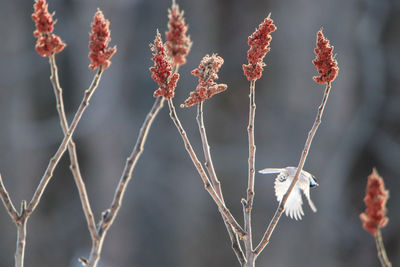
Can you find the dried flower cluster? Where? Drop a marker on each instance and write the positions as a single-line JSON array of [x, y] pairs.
[[47, 42], [259, 43], [375, 199], [325, 62], [177, 42], [100, 53], [162, 70], [207, 74]]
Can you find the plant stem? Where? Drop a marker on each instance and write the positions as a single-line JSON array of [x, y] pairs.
[[221, 206], [21, 237], [383, 258], [63, 146], [110, 214], [248, 203], [21, 219], [5, 197], [72, 149], [263, 243], [207, 154], [216, 183]]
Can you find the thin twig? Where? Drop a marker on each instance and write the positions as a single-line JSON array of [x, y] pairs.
[[303, 158], [207, 155], [221, 206], [248, 203], [5, 197], [110, 214], [72, 150], [21, 237], [21, 219], [63, 146], [131, 161], [216, 183], [383, 258]]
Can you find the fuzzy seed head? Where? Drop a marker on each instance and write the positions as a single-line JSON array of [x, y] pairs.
[[324, 61], [374, 216], [161, 72], [259, 43], [99, 52], [178, 43], [47, 42], [207, 74]]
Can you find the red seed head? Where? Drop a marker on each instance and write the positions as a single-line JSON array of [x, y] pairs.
[[324, 61], [162, 70], [375, 199], [99, 52], [47, 43], [207, 74], [259, 43], [178, 44]]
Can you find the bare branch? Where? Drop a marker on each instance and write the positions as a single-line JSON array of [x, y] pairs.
[[383, 258], [63, 146], [248, 203], [216, 183], [109, 215], [132, 160], [21, 237], [5, 197], [207, 155], [303, 158], [221, 206], [72, 150]]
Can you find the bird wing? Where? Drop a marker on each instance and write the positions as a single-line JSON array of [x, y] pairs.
[[305, 187], [270, 170], [293, 206]]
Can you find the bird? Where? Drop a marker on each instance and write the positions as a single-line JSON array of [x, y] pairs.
[[293, 206]]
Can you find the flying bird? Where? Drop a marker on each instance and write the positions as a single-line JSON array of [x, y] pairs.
[[293, 206]]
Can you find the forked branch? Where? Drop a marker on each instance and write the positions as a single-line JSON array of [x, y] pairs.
[[221, 206], [216, 183], [63, 146], [75, 169], [303, 158]]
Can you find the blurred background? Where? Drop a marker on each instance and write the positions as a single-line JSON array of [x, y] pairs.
[[167, 218]]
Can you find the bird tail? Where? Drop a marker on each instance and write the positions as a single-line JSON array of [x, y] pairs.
[[270, 170]]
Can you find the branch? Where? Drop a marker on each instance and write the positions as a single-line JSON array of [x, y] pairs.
[[21, 238], [383, 258], [72, 150], [248, 204], [5, 197], [132, 160], [216, 183], [109, 215], [207, 155], [221, 206], [63, 146], [303, 158]]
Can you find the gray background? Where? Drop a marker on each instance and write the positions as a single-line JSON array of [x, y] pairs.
[[167, 218]]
